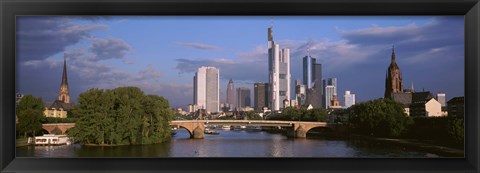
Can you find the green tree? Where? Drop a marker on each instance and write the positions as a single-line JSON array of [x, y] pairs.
[[380, 117], [456, 130], [316, 114], [252, 115], [30, 114], [120, 116]]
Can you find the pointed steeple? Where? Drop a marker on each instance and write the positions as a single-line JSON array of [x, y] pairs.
[[64, 94], [393, 54], [64, 76]]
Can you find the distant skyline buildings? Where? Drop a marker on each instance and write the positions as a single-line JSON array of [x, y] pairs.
[[278, 73], [207, 89], [348, 99], [243, 97], [441, 98], [230, 100], [260, 96], [330, 90]]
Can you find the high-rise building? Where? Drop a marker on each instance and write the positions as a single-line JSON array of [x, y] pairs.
[[312, 79], [279, 73], [441, 99], [230, 95], [348, 99], [300, 93], [312, 72], [330, 89], [206, 89], [393, 80], [329, 92], [260, 96], [243, 97], [64, 94]]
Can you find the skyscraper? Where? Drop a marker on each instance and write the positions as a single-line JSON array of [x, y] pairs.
[[348, 99], [312, 72], [64, 94], [279, 73], [260, 96], [243, 97], [230, 94], [330, 89], [393, 80], [300, 93], [312, 79], [206, 89], [441, 98]]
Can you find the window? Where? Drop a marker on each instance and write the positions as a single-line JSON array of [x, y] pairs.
[[283, 76], [283, 93]]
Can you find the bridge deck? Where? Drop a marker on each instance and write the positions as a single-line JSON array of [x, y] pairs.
[[250, 122]]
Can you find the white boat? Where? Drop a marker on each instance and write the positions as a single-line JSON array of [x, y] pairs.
[[51, 139], [226, 127], [243, 127]]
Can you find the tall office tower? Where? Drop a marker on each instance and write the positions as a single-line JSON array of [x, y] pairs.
[[441, 98], [393, 81], [279, 73], [206, 89], [300, 93], [348, 99], [243, 97], [330, 89], [329, 92], [312, 72], [230, 95], [260, 96], [64, 94]]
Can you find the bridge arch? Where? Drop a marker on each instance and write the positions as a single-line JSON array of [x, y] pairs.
[[194, 129]]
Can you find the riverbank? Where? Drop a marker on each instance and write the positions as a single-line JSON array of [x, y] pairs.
[[22, 142]]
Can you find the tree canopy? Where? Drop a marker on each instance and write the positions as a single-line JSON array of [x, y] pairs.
[[121, 116], [301, 114], [30, 114], [380, 117]]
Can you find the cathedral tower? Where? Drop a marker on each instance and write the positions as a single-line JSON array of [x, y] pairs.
[[64, 92], [393, 81]]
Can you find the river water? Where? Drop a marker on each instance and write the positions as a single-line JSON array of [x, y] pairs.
[[232, 143]]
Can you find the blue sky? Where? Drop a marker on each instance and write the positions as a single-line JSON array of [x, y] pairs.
[[160, 54]]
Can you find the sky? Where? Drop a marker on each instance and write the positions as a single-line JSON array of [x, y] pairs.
[[160, 54]]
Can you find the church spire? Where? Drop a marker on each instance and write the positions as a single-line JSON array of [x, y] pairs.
[[64, 94], [64, 76], [393, 54]]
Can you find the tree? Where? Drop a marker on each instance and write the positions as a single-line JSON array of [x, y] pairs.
[[380, 117], [251, 115], [123, 115], [30, 114]]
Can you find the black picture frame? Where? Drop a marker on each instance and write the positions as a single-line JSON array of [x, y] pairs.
[[11, 8]]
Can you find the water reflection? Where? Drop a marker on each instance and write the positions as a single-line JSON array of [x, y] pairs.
[[232, 143]]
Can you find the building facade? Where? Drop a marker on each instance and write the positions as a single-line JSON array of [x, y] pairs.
[[279, 73], [441, 99], [393, 80], [300, 93], [230, 100], [456, 107], [330, 89], [206, 89], [260, 96], [243, 97], [348, 99]]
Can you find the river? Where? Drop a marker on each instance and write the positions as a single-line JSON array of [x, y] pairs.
[[232, 143]]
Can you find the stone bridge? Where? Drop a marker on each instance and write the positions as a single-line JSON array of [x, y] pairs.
[[300, 128], [62, 126]]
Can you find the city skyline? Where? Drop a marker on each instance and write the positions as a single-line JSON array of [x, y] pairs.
[[100, 54]]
